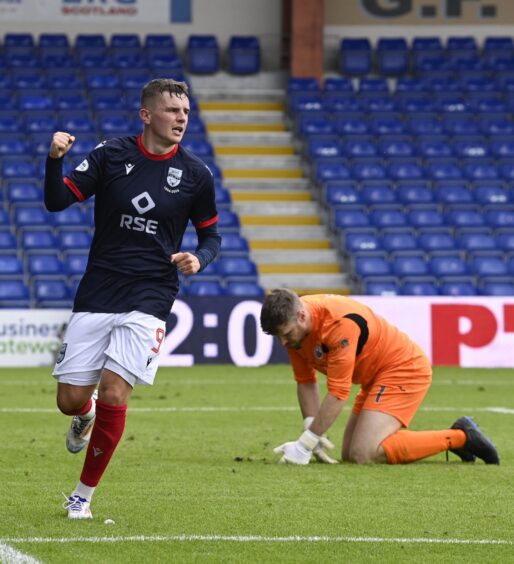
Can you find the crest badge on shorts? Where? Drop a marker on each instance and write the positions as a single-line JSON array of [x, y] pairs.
[[174, 176], [62, 352]]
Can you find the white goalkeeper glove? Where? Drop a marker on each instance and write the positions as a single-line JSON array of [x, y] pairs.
[[324, 444], [300, 451]]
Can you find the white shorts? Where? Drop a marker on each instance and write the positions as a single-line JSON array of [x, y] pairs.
[[126, 343]]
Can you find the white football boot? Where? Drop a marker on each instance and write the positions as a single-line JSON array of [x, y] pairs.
[[78, 507], [80, 429]]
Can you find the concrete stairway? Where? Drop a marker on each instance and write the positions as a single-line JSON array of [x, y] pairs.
[[265, 176]]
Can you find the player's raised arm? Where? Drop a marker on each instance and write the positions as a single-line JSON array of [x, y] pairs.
[[57, 194]]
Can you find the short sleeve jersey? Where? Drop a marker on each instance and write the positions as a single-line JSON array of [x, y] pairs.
[[350, 344], [143, 203]]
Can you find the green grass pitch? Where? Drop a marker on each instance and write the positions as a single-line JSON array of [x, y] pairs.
[[194, 478]]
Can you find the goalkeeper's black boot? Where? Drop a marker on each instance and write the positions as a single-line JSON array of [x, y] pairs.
[[477, 444]]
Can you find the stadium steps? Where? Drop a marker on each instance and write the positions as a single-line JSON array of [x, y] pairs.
[[265, 176]]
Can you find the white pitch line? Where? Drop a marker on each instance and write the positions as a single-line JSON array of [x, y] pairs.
[[263, 408], [9, 555], [258, 538]]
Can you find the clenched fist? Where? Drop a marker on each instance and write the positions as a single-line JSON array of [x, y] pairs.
[[61, 144]]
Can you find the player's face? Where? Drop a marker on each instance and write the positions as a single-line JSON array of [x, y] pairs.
[[292, 333], [167, 118]]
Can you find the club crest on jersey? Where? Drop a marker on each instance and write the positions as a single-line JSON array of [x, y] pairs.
[[174, 176], [318, 352], [83, 166], [62, 352]]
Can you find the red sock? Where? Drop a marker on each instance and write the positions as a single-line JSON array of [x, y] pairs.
[[106, 434], [83, 410], [409, 446]]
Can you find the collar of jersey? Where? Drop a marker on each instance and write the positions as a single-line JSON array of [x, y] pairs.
[[149, 155]]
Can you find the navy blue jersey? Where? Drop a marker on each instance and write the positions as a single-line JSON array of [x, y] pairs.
[[143, 203]]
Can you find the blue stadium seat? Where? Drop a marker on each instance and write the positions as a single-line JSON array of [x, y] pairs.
[[371, 264], [324, 148], [134, 78], [356, 147], [30, 215], [89, 40], [465, 216], [476, 241], [440, 169], [337, 84], [421, 287], [119, 122], [28, 79], [75, 262], [250, 289], [341, 194], [71, 100], [480, 170], [376, 193], [409, 263], [205, 288], [44, 263], [228, 220], [458, 286], [488, 264], [373, 85], [355, 56], [101, 78], [448, 265], [41, 122], [202, 52], [434, 146], [499, 216], [343, 102], [357, 240], [36, 100], [37, 239], [65, 79], [381, 286], [453, 192], [59, 40], [14, 294], [351, 124], [167, 62], [74, 238], [502, 146], [471, 147], [104, 99], [396, 147], [24, 191], [423, 124], [405, 170], [347, 218], [7, 241], [160, 41], [94, 58], [244, 55], [11, 123], [388, 123], [51, 292], [10, 265], [497, 288], [505, 240], [388, 216], [414, 192], [234, 244], [392, 56], [78, 121], [237, 268], [19, 40], [490, 193], [125, 40], [398, 240], [369, 170], [84, 144], [306, 102], [70, 217], [314, 125], [327, 171], [13, 144], [430, 240]]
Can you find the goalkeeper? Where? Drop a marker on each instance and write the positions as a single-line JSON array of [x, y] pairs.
[[350, 344]]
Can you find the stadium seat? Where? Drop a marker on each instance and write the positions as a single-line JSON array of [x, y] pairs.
[[90, 40], [327, 171], [351, 124], [13, 144], [436, 241], [337, 84], [476, 241], [205, 288], [455, 286], [505, 240], [19, 40], [234, 244], [228, 220], [409, 263], [448, 265], [160, 41], [377, 193], [421, 287], [388, 216], [488, 265], [23, 191], [499, 217], [413, 192], [51, 292], [492, 288], [443, 169], [125, 40], [381, 286], [37, 239], [10, 265], [453, 192], [355, 56], [244, 55], [7, 241], [357, 147], [490, 193], [74, 238], [237, 268], [14, 294], [396, 147], [369, 170], [59, 40], [398, 240], [250, 289], [465, 217], [314, 125], [70, 217], [44, 263], [405, 170], [356, 240], [371, 264], [39, 122], [202, 52], [392, 56], [347, 218], [30, 215], [341, 194], [324, 148]]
